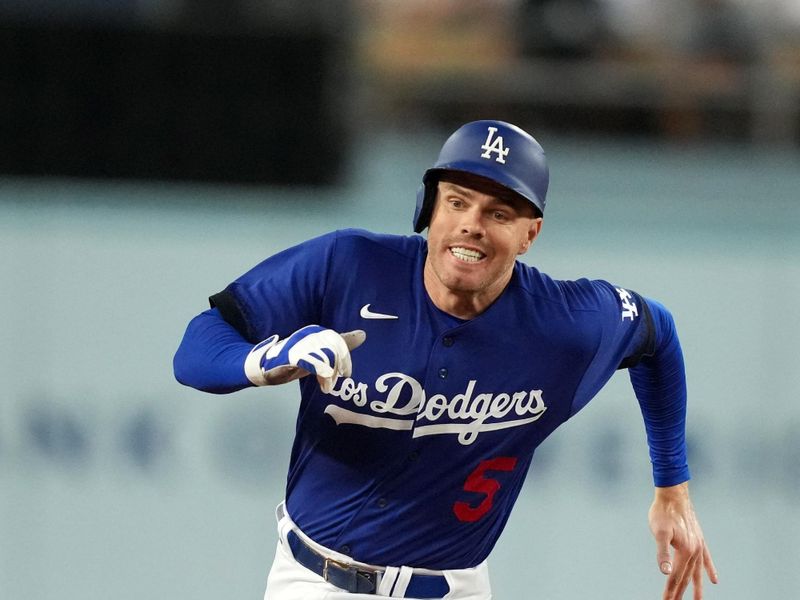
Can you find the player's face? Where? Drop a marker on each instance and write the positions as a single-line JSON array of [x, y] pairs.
[[475, 234]]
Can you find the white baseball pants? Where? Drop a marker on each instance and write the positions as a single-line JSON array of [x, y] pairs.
[[289, 580]]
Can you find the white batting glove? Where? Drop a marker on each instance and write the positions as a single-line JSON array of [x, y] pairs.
[[312, 349]]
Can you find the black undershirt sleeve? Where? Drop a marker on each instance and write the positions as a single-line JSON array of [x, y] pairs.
[[227, 306]]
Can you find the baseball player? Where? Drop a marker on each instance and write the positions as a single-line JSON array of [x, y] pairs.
[[437, 368]]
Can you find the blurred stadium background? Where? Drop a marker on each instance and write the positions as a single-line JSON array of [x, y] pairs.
[[152, 150]]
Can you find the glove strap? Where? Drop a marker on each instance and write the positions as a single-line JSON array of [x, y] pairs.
[[252, 364]]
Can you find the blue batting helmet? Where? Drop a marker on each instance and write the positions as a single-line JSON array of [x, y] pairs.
[[495, 150]]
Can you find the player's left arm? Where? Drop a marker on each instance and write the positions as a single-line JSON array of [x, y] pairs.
[[659, 381]]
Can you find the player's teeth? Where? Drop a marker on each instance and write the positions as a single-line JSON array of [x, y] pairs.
[[466, 254]]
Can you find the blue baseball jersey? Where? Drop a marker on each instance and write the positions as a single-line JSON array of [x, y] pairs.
[[418, 457]]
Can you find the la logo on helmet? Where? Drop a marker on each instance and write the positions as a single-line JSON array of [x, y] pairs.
[[494, 144]]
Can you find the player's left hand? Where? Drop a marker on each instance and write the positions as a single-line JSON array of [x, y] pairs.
[[675, 526]]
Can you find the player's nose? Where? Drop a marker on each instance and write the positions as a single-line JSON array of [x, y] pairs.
[[472, 223]]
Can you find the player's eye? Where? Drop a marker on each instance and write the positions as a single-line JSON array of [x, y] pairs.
[[456, 202]]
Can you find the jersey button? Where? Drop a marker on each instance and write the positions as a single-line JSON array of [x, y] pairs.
[[448, 341], [345, 549], [382, 502], [413, 456], [443, 373]]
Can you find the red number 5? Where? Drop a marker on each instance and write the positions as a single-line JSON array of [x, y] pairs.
[[476, 482]]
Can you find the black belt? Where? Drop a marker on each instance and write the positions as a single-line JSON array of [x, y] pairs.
[[360, 581]]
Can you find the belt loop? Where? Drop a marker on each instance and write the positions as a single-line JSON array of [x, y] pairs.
[[285, 525], [402, 582], [387, 581]]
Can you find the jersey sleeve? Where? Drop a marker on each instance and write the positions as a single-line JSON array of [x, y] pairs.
[[639, 334], [617, 323], [281, 294], [278, 296]]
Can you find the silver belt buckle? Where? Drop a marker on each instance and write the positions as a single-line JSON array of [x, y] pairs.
[[329, 561]]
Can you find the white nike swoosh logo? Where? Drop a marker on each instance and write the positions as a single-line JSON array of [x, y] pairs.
[[366, 313]]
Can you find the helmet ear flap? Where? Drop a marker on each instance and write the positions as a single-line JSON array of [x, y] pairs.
[[418, 225], [425, 197]]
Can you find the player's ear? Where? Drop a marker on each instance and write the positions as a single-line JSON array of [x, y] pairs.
[[534, 229]]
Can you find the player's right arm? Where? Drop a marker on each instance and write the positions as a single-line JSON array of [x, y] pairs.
[[261, 328], [211, 355], [214, 357], [277, 296]]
